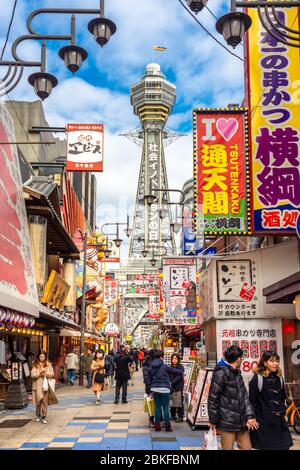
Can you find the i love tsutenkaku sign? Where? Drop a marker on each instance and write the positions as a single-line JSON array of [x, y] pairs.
[[221, 171], [273, 83]]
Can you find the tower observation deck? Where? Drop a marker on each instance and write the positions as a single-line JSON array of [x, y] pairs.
[[152, 98]]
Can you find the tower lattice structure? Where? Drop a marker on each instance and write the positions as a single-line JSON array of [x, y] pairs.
[[152, 98]]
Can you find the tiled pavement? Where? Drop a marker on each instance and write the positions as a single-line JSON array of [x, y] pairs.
[[76, 423]]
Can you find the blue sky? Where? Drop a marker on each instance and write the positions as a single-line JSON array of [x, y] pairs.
[[204, 73]]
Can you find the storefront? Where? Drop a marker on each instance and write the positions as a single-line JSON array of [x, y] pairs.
[[287, 291], [236, 311]]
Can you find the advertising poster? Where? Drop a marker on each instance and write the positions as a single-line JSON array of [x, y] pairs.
[[253, 336], [220, 171], [85, 147], [180, 291], [17, 280], [236, 288], [273, 76]]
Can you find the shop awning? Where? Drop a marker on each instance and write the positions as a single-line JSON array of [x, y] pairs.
[[192, 330], [42, 199], [77, 334], [57, 317], [283, 291]]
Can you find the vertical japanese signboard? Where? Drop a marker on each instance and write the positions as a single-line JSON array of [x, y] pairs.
[[17, 280], [180, 291], [84, 147], [152, 173], [273, 76], [220, 171]]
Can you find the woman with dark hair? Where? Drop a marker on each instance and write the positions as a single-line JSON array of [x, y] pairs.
[[160, 385], [177, 385], [42, 394], [267, 395], [98, 369]]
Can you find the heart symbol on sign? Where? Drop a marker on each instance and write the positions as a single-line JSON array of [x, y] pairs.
[[227, 127]]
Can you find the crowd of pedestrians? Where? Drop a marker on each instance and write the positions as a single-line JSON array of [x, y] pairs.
[[253, 419]]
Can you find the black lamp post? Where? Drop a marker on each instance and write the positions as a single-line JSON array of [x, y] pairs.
[[117, 240], [73, 55]]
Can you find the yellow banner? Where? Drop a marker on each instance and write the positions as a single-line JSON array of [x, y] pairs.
[[274, 80]]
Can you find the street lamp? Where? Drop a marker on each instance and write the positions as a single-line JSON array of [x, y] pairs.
[[73, 55], [233, 25], [144, 253], [118, 240], [196, 5]]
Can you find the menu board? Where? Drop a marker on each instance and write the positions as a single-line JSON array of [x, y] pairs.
[[197, 412], [202, 414], [188, 372]]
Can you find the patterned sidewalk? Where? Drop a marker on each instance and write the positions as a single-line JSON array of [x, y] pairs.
[[76, 423]]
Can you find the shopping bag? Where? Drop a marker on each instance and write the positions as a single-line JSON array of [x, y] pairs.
[[151, 406], [45, 384], [145, 404], [51, 383], [210, 441]]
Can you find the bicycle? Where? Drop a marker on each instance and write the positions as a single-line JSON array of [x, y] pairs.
[[293, 412]]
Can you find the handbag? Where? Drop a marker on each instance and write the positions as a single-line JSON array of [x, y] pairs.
[[52, 399], [211, 442], [45, 384], [99, 378], [176, 400]]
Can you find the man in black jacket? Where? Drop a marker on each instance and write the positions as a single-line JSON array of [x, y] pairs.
[[229, 407], [122, 363]]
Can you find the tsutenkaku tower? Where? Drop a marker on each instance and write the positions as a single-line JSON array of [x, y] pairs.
[[152, 99]]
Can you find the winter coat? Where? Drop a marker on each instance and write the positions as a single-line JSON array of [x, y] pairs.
[[229, 407], [122, 361], [37, 382], [71, 361], [87, 362], [110, 364], [177, 381], [141, 355], [159, 374], [97, 366], [269, 407], [146, 367]]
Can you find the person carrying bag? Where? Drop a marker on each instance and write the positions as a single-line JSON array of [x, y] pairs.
[[98, 369], [42, 392]]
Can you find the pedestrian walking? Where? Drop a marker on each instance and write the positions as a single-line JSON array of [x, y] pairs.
[[71, 363], [177, 385], [229, 407], [122, 374], [159, 381], [98, 370], [110, 366], [149, 399], [141, 357], [267, 395], [136, 358], [87, 362], [42, 393], [132, 369]]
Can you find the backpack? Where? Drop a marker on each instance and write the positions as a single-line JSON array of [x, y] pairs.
[[260, 382]]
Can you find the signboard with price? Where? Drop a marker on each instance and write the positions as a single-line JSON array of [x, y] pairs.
[[253, 337]]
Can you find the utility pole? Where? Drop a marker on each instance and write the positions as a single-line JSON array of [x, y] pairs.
[[83, 309]]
